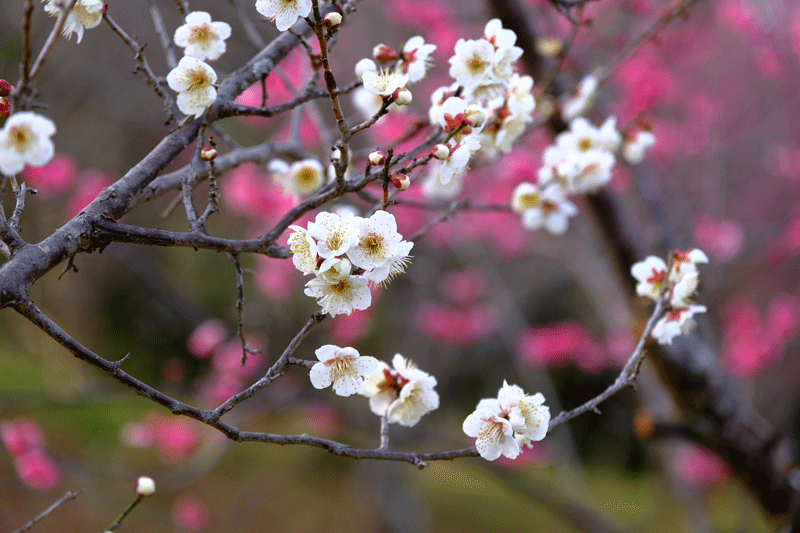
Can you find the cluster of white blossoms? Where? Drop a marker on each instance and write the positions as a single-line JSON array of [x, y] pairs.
[[193, 79], [485, 110], [680, 280], [85, 14], [402, 393], [300, 178], [504, 424], [346, 253], [410, 66], [25, 140]]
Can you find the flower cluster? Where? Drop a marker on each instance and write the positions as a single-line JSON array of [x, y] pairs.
[[85, 14], [194, 80], [679, 280], [504, 424], [403, 393], [485, 110], [580, 161], [346, 253]]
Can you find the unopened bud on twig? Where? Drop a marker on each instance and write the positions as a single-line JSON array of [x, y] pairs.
[[474, 116], [400, 181], [145, 486], [377, 157], [209, 153], [402, 96], [384, 53], [5, 107], [332, 21], [441, 152]]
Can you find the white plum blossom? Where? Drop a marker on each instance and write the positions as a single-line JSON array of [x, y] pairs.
[[364, 65], [651, 275], [473, 63], [342, 368], [415, 58], [547, 208], [677, 321], [301, 178], [445, 177], [384, 83], [304, 250], [334, 234], [404, 394], [340, 297], [377, 241], [393, 266], [685, 262], [633, 149], [85, 14], [202, 38], [194, 81], [284, 12], [501, 425], [583, 136], [368, 103], [580, 101], [593, 170], [25, 140]]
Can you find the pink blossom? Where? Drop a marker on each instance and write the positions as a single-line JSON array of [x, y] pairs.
[[191, 514], [536, 454], [175, 438], [321, 418], [246, 191], [559, 343], [464, 287], [277, 279], [206, 338], [138, 434], [722, 239], [90, 183], [218, 388], [699, 466], [53, 178], [228, 360], [37, 471], [20, 435], [458, 327], [347, 330]]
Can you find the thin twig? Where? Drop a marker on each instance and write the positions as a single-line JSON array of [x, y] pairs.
[[249, 28], [161, 30], [48, 45], [65, 498]]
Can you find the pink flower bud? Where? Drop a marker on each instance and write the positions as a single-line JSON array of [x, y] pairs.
[[441, 152], [384, 53], [400, 181], [332, 20], [145, 486], [402, 96], [209, 153], [5, 107], [5, 88], [377, 157]]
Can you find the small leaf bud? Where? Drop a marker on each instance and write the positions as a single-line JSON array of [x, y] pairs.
[[384, 53], [402, 96], [475, 116], [400, 181], [332, 21], [145, 486], [209, 153], [441, 152], [377, 158]]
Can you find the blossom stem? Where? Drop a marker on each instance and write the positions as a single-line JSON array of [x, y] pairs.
[[384, 432]]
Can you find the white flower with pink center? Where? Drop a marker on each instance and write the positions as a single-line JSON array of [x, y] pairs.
[[651, 275], [341, 368], [404, 394], [202, 38], [415, 58]]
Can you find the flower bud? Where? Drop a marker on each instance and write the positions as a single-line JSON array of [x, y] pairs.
[[474, 116], [384, 53], [332, 20], [377, 158], [400, 181], [5, 88], [363, 66], [402, 96], [5, 107], [209, 153], [441, 152], [145, 486]]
